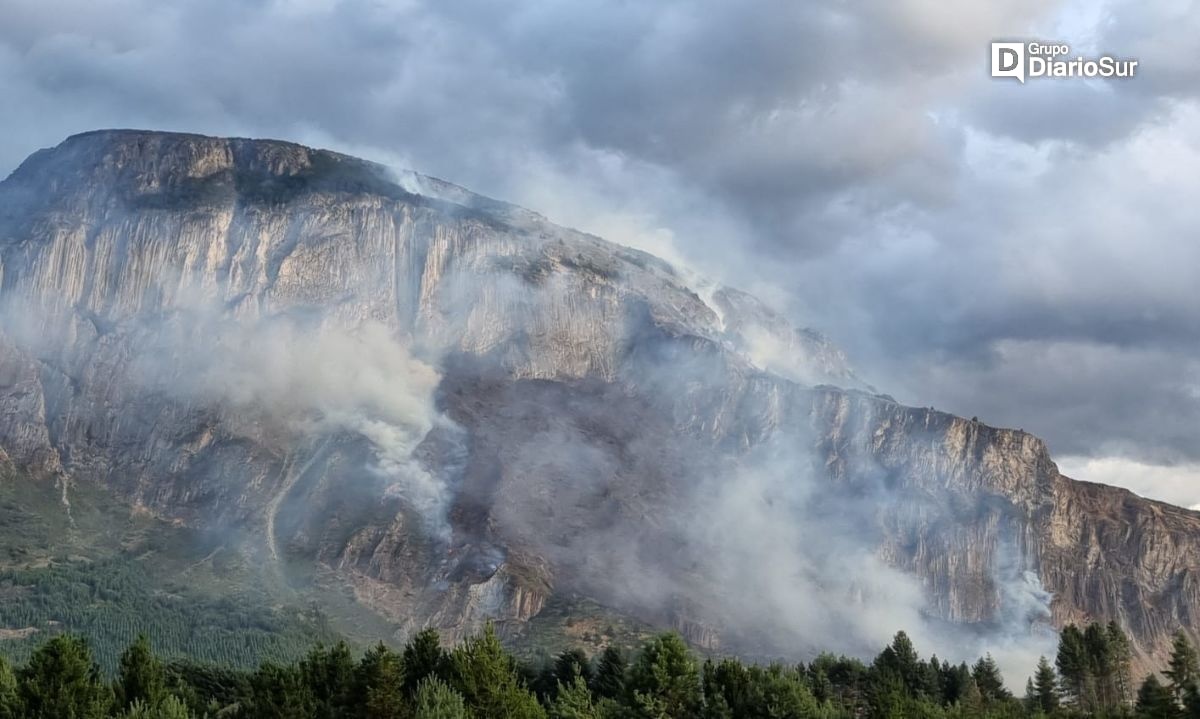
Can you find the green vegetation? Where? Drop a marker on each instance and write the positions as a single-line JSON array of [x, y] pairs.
[[110, 612], [1094, 666], [107, 574], [663, 679], [112, 600], [580, 623]]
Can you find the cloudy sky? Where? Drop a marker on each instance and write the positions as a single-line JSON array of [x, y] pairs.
[[1028, 254]]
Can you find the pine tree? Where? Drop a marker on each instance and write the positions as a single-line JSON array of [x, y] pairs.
[[954, 680], [1183, 669], [166, 707], [987, 678], [61, 680], [931, 679], [206, 688], [1121, 657], [1100, 666], [822, 687], [848, 680], [609, 679], [1072, 663], [1191, 702], [665, 680], [434, 699], [1154, 701], [714, 688], [1030, 701], [572, 663], [423, 658], [573, 701], [971, 701], [9, 708], [329, 675], [279, 692], [777, 691], [888, 697], [905, 657], [726, 687], [380, 684], [900, 658], [487, 679], [1045, 687], [718, 708], [539, 677], [140, 677]]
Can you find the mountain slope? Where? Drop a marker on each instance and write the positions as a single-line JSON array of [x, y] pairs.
[[458, 411], [99, 570]]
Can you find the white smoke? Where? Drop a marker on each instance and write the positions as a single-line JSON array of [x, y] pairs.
[[316, 379], [311, 377], [805, 574], [798, 570]]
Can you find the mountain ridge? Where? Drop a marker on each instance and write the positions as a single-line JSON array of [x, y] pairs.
[[559, 393]]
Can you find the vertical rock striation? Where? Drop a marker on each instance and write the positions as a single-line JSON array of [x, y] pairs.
[[168, 307]]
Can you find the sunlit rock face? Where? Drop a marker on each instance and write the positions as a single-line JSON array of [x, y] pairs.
[[459, 410]]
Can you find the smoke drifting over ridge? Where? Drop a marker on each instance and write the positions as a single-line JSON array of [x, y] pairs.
[[852, 163], [799, 564], [317, 379], [623, 413], [307, 377], [736, 527]]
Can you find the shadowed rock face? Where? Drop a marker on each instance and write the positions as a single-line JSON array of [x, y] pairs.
[[459, 409]]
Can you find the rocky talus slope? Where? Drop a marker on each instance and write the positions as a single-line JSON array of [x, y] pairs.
[[460, 410]]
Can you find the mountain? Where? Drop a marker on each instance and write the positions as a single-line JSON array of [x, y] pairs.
[[451, 410]]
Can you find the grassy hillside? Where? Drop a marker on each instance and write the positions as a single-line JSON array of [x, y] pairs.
[[108, 572], [104, 571]]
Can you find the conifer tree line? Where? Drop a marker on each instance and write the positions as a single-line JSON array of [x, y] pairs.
[[478, 679]]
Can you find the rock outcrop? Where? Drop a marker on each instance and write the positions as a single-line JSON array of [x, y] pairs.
[[459, 409]]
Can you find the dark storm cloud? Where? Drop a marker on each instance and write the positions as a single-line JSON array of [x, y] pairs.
[[783, 106], [1021, 252], [1057, 294], [1081, 393], [1079, 113]]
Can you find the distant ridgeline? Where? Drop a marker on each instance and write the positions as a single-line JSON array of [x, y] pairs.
[[662, 679]]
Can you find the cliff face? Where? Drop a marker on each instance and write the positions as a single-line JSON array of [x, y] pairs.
[[457, 409]]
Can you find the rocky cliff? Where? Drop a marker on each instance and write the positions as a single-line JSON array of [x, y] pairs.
[[458, 410]]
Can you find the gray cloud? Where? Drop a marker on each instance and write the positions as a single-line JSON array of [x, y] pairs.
[[1023, 253]]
